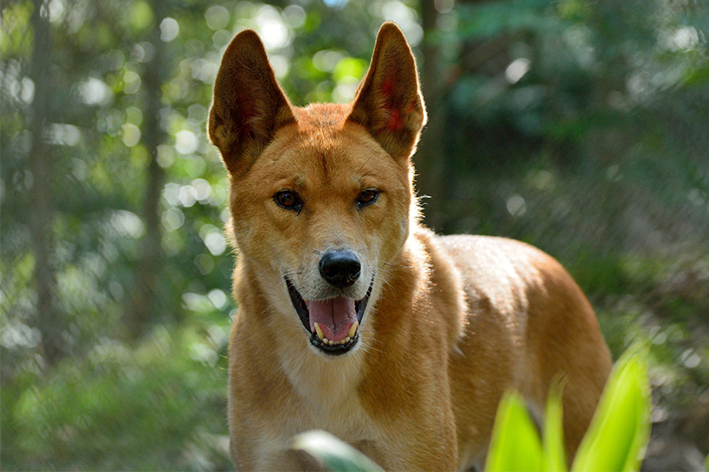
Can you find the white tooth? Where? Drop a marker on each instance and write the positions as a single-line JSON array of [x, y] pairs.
[[318, 330], [325, 340], [347, 339], [353, 329], [330, 342]]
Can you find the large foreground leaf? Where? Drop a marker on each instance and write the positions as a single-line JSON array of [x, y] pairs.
[[554, 454], [332, 454], [620, 429], [515, 442]]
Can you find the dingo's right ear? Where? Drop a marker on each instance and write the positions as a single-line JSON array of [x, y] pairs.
[[249, 105], [388, 102]]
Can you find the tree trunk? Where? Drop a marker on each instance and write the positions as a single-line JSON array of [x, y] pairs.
[[430, 159], [144, 299], [40, 165]]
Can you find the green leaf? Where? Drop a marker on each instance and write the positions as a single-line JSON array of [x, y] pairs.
[[554, 454], [333, 454], [515, 442], [620, 429]]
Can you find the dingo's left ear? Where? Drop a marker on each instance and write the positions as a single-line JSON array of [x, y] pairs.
[[389, 102], [249, 105]]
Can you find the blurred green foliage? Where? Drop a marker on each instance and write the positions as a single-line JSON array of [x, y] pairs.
[[157, 406], [577, 126]]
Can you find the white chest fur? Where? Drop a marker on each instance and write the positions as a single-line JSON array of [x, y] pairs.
[[327, 390]]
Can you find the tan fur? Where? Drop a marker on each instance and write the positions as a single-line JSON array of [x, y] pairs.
[[452, 322]]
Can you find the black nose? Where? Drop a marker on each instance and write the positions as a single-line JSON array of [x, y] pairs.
[[340, 268]]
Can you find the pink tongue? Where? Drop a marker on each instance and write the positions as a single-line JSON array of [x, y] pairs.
[[335, 316]]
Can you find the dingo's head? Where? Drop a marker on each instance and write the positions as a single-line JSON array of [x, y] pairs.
[[321, 197]]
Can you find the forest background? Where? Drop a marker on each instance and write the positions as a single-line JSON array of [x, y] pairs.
[[581, 127]]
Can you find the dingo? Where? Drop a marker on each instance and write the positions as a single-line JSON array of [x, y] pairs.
[[355, 319]]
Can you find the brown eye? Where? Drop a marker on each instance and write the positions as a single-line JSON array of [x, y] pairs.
[[288, 200], [367, 197]]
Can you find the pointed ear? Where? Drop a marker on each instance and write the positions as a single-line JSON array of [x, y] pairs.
[[388, 102], [249, 105]]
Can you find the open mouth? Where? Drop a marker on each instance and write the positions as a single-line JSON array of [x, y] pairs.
[[333, 323]]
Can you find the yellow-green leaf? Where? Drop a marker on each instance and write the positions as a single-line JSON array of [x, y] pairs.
[[554, 454], [515, 442], [620, 429]]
